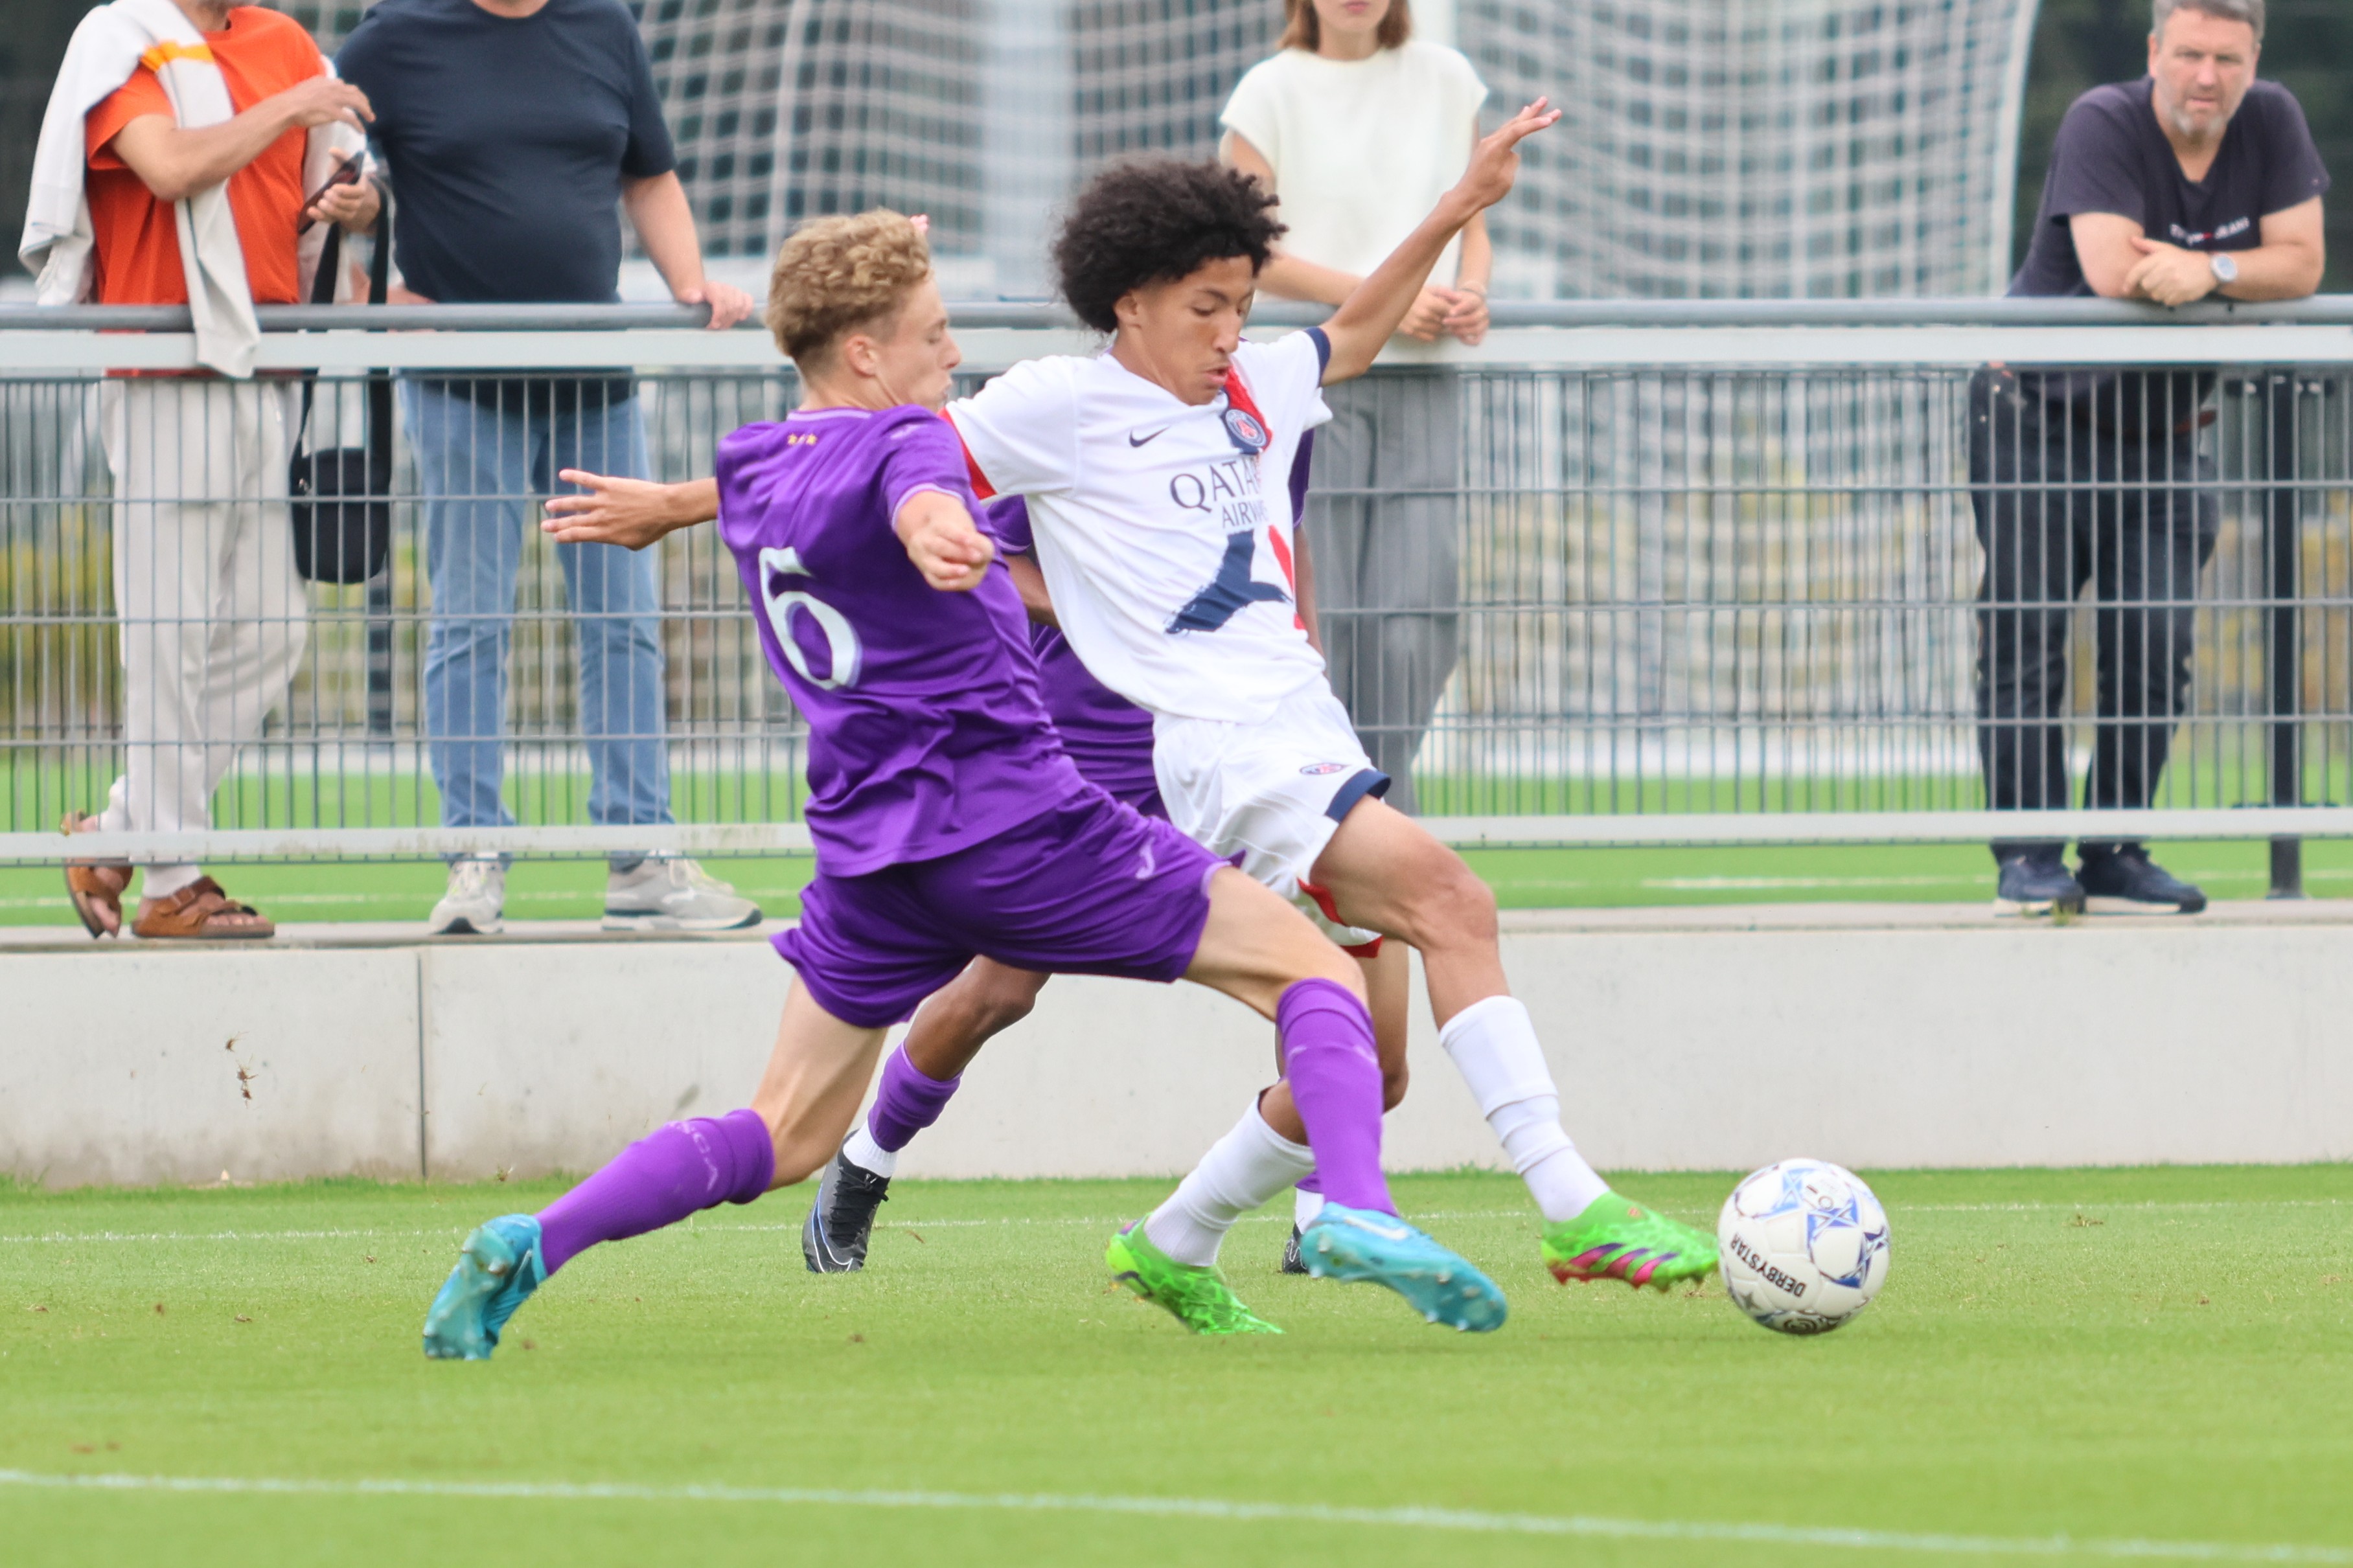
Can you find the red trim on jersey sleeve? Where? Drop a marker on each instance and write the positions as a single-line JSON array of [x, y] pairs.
[[1238, 395], [981, 485]]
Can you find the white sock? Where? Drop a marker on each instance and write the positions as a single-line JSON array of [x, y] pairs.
[[862, 1151], [1305, 1206], [1246, 1169], [1494, 1043]]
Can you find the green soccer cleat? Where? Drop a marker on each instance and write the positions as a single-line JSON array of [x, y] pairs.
[[1615, 1238], [1360, 1244], [498, 1268], [1197, 1298]]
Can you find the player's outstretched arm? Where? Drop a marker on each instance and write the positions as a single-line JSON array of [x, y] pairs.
[[1363, 324], [632, 513], [941, 540]]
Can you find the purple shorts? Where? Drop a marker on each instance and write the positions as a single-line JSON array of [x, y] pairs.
[[1086, 888]]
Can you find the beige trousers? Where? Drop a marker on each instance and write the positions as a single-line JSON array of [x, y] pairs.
[[213, 617]]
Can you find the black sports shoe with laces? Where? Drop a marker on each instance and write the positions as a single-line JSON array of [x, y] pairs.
[[1291, 1262], [2036, 884], [833, 1238], [2125, 880]]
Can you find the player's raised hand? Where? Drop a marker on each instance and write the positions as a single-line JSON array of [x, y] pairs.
[[631, 513], [942, 541], [1495, 161]]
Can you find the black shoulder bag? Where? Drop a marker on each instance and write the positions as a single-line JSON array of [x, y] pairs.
[[343, 496]]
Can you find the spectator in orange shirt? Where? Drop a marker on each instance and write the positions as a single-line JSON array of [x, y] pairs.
[[212, 613]]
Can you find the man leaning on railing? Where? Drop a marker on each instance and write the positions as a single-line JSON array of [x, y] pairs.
[[173, 161], [2195, 180], [513, 130]]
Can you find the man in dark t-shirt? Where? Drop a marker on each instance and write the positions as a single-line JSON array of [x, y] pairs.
[[516, 130], [2195, 180]]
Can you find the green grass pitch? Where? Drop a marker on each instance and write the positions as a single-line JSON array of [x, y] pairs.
[[2152, 1364], [1522, 878]]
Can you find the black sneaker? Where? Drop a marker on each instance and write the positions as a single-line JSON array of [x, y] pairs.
[[833, 1238], [2124, 880], [2037, 884], [1291, 1262]]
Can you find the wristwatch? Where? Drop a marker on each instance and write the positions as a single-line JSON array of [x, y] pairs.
[[2225, 269]]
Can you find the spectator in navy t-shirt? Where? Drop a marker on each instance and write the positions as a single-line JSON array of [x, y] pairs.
[[512, 130], [2195, 180]]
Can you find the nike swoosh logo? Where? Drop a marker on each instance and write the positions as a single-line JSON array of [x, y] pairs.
[[1135, 440]]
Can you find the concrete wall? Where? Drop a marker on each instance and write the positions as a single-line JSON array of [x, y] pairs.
[[1676, 1045]]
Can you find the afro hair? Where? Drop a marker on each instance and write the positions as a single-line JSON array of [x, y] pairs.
[[1153, 221]]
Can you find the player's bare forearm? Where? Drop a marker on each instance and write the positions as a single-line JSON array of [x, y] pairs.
[[631, 513], [1029, 582], [942, 542], [1360, 327]]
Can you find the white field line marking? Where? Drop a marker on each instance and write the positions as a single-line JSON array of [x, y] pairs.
[[1219, 1508], [62, 1237]]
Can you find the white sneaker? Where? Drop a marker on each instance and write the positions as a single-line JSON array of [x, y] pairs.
[[475, 901], [674, 894]]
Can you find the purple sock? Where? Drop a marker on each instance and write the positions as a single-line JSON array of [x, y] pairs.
[[1336, 1080], [670, 1173], [908, 1102]]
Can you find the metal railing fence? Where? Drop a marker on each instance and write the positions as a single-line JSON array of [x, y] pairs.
[[1718, 567]]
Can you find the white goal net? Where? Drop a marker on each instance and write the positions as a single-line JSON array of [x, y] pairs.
[[1710, 148]]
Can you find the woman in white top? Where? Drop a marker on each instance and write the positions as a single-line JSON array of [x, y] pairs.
[[1358, 128]]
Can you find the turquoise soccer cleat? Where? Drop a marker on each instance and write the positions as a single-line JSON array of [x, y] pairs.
[[498, 1268], [1360, 1244]]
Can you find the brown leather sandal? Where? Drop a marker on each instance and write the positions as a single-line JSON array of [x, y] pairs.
[[200, 912], [96, 886]]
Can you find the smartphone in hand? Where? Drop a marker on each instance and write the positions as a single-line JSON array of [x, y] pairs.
[[347, 173]]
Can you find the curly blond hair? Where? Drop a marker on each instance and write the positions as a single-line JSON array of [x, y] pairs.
[[838, 274]]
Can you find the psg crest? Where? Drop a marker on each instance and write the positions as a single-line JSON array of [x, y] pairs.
[[1247, 434]]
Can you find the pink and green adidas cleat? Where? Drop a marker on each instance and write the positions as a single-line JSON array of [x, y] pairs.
[[1616, 1238]]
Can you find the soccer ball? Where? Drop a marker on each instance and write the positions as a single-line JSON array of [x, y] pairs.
[[1804, 1246]]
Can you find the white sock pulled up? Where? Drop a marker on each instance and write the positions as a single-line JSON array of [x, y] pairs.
[[1494, 1043], [862, 1151], [1247, 1168]]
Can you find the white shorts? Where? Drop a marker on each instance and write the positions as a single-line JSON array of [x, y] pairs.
[[1270, 794]]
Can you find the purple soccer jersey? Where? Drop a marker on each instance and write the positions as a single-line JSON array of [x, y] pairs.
[[1106, 735], [927, 733]]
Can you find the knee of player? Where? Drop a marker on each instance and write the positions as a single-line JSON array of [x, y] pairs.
[[1001, 1010], [1454, 906], [1331, 964]]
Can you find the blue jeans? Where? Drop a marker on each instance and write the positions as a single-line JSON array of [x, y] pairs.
[[476, 465]]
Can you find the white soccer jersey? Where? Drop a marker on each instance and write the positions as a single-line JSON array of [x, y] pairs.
[[1163, 531]]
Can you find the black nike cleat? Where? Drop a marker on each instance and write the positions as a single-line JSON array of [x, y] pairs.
[[2037, 884], [834, 1236], [1291, 1262], [2122, 879]]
